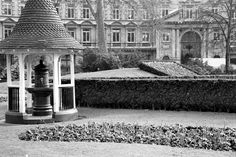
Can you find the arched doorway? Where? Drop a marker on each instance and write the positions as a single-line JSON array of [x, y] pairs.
[[190, 46]]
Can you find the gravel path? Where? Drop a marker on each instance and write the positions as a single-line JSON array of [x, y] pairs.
[[11, 146]]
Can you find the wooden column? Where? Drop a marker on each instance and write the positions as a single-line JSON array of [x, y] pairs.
[[8, 58], [56, 98], [29, 81], [9, 82], [21, 83], [72, 71]]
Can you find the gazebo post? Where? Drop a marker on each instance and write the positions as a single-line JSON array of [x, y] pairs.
[[72, 71], [8, 58], [29, 82], [9, 82], [56, 83], [21, 83]]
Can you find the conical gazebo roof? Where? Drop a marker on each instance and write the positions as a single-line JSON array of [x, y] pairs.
[[39, 27]]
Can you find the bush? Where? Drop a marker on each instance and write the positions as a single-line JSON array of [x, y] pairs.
[[93, 60], [199, 67], [130, 60]]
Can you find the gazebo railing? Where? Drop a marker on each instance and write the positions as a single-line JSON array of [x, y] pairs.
[[66, 97], [14, 99]]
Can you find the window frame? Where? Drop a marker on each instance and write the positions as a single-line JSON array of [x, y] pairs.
[[70, 12], [7, 9], [116, 34], [131, 14], [131, 36], [216, 36], [145, 35], [165, 37], [86, 13], [7, 30], [116, 14], [86, 34]]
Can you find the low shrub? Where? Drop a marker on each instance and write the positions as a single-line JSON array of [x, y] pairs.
[[222, 139]]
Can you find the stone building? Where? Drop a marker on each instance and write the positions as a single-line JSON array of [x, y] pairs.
[[130, 27]]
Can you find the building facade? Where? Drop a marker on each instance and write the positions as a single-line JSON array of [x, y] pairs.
[[130, 27]]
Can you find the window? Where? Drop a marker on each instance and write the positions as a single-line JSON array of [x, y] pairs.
[[86, 35], [145, 15], [86, 13], [7, 9], [166, 37], [189, 13], [116, 14], [21, 9], [71, 12], [71, 31], [7, 30], [216, 36], [233, 36], [146, 37], [215, 10], [57, 9], [116, 35], [165, 12], [131, 14], [131, 36], [234, 15]]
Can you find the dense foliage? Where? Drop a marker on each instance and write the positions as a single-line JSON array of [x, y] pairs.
[[223, 139], [203, 94], [93, 60]]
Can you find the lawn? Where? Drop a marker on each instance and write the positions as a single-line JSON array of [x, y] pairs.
[[12, 146]]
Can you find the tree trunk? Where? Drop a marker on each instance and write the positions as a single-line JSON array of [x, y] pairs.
[[102, 45]]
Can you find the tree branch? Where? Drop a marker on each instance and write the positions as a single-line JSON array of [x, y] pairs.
[[91, 9]]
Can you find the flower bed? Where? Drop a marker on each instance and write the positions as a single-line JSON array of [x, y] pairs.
[[223, 139]]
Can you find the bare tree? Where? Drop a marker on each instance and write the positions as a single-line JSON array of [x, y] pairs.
[[223, 20], [99, 17], [155, 21]]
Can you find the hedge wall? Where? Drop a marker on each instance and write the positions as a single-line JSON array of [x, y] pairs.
[[170, 94]]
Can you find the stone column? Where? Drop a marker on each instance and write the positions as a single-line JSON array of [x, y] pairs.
[[178, 47], [173, 44], [203, 49], [207, 41], [158, 49]]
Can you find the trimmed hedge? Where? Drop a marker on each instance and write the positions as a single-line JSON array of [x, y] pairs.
[[169, 94]]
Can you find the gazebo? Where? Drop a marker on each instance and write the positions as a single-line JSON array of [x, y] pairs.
[[39, 33]]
